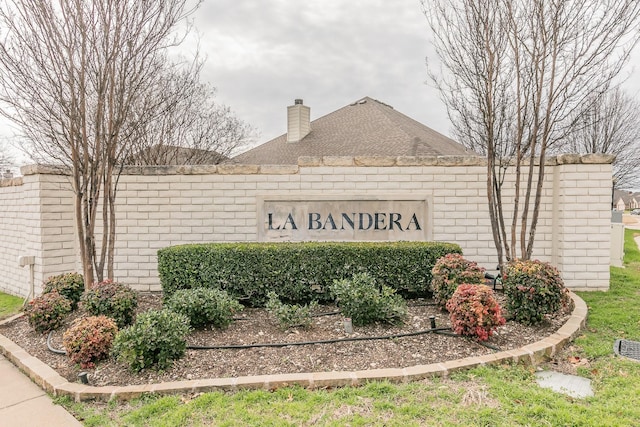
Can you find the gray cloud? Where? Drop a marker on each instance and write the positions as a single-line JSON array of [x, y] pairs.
[[330, 53], [263, 55]]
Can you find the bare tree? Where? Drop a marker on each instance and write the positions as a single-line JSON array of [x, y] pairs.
[[512, 73], [72, 76], [609, 124], [188, 127]]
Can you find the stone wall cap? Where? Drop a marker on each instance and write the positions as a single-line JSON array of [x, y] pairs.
[[315, 161], [309, 161], [170, 170], [338, 161], [461, 160], [598, 158], [11, 182], [417, 161], [279, 169], [36, 169], [238, 169], [567, 159], [374, 161]]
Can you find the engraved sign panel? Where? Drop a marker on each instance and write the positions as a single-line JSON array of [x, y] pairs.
[[343, 219]]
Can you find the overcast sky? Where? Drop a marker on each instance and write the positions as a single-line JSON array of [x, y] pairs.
[[263, 55]]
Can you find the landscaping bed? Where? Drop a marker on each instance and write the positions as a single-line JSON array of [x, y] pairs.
[[255, 326]]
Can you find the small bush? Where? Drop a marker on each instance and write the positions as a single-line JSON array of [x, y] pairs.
[[450, 271], [155, 339], [361, 299], [47, 312], [111, 299], [69, 285], [89, 339], [474, 311], [533, 289], [290, 315], [204, 306]]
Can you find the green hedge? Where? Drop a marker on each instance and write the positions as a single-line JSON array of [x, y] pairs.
[[297, 272]]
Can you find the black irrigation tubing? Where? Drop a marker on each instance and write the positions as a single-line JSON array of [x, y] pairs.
[[489, 346], [333, 341], [328, 313], [440, 331]]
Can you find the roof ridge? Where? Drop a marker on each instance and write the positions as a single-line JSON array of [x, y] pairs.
[[398, 117], [331, 113]]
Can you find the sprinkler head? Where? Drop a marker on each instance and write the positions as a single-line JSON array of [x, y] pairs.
[[83, 377]]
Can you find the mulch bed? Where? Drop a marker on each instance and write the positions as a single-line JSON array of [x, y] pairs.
[[257, 326]]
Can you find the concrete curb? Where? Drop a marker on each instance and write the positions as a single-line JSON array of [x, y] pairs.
[[532, 354]]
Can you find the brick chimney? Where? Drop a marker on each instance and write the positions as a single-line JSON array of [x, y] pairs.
[[298, 121]]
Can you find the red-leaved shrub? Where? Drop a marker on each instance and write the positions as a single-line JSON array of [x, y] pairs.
[[47, 312], [449, 272], [474, 311], [89, 339]]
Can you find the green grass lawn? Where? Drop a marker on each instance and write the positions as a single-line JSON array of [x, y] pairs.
[[9, 305], [488, 396]]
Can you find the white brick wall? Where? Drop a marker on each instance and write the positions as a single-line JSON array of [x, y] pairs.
[[159, 207], [15, 216], [36, 219]]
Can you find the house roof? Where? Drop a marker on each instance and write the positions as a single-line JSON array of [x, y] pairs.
[[365, 128], [626, 196]]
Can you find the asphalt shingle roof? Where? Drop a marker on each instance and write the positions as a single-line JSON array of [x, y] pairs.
[[365, 128]]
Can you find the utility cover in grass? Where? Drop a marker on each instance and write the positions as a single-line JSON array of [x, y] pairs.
[[626, 348], [570, 385]]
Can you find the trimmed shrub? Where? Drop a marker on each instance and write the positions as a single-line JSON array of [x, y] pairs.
[[533, 289], [111, 299], [290, 315], [69, 285], [474, 311], [204, 306], [364, 301], [47, 312], [297, 272], [450, 271], [89, 339], [155, 339]]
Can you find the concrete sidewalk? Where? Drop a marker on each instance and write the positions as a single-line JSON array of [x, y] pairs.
[[22, 403]]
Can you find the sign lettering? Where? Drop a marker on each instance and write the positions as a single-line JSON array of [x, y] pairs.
[[343, 220]]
